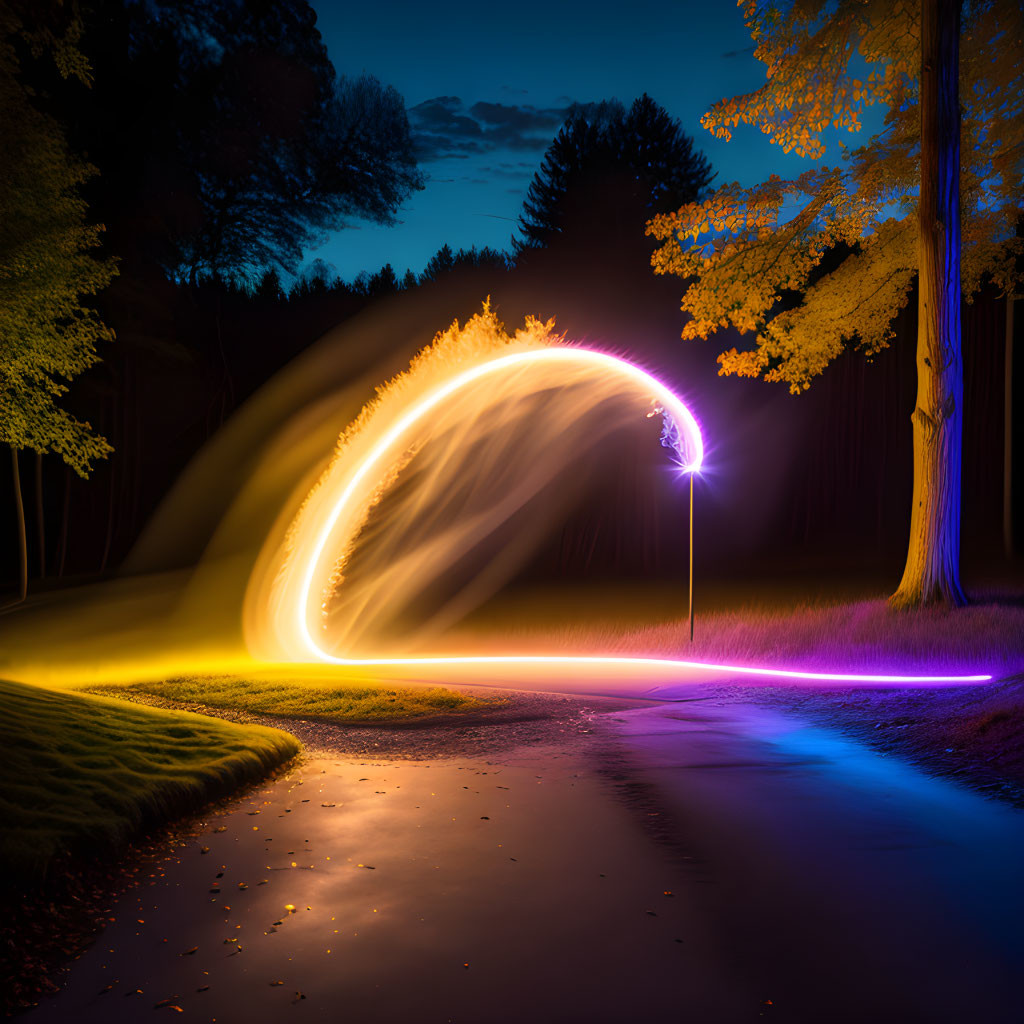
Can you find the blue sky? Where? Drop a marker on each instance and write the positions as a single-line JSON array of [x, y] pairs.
[[485, 83]]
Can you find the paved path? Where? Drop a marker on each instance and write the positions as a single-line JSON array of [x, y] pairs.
[[682, 862]]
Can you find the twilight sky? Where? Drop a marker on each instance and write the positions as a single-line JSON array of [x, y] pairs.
[[486, 86]]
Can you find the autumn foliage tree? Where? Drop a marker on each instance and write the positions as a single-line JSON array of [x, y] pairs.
[[48, 335], [934, 195]]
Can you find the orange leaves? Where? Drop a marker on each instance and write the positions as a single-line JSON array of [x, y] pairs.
[[747, 254], [741, 249], [807, 50], [740, 364]]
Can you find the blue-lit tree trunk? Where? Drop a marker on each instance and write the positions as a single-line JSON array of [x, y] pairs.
[[932, 573]]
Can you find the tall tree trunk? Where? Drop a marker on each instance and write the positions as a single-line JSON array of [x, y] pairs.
[[40, 516], [932, 573], [19, 511]]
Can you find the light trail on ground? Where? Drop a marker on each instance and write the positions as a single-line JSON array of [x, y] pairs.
[[610, 661]]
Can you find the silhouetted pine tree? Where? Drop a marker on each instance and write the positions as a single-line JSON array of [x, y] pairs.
[[269, 286], [384, 282], [440, 263], [607, 171], [444, 261]]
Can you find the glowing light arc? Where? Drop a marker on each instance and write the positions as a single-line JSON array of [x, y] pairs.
[[688, 438]]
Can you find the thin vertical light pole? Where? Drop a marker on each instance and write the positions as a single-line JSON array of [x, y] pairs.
[[1008, 429], [691, 557]]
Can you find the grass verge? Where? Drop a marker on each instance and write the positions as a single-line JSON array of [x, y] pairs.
[[751, 625], [81, 774], [297, 698]]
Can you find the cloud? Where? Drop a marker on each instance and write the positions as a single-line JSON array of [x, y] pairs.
[[506, 169], [443, 127]]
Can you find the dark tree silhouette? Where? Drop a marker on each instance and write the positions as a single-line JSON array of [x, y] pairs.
[[384, 282], [268, 288], [440, 263], [318, 278], [444, 261], [609, 170], [225, 140]]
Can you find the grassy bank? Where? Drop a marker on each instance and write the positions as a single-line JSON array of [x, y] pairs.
[[346, 702], [81, 774], [761, 624]]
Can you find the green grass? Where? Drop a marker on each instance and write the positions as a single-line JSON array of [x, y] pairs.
[[81, 774], [309, 698]]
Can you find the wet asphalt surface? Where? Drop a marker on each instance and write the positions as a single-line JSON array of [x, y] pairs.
[[576, 860]]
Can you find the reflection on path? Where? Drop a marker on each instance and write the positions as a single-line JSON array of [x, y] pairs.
[[694, 861], [847, 883], [392, 892]]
